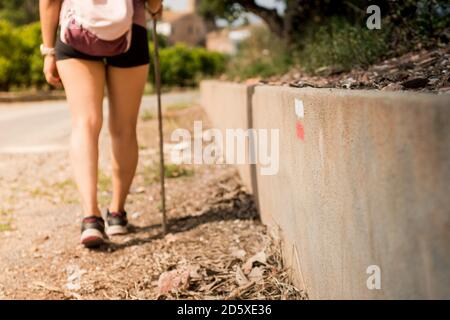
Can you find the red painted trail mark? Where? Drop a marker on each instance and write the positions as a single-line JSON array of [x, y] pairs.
[[300, 131]]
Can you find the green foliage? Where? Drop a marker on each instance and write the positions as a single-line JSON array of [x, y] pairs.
[[178, 106], [19, 12], [5, 226], [11, 49], [414, 18], [314, 34], [424, 22], [162, 40], [177, 171], [226, 9], [324, 33], [184, 66], [31, 38], [147, 115], [5, 69], [20, 61], [341, 45], [151, 173], [262, 54], [336, 44], [333, 36]]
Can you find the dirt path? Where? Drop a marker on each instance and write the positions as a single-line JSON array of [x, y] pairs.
[[216, 248]]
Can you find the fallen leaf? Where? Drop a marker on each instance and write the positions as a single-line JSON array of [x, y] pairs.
[[259, 257], [194, 272], [256, 274], [241, 279], [74, 277]]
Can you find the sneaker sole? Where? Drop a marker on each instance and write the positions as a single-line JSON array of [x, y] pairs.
[[116, 230], [92, 238]]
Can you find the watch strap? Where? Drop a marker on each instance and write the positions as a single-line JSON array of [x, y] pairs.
[[47, 51]]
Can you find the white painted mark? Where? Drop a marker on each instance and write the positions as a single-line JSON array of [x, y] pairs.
[[299, 108]]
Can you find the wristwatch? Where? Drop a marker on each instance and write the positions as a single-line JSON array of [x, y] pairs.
[[47, 51]]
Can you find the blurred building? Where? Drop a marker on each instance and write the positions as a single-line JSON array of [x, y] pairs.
[[227, 40], [184, 26]]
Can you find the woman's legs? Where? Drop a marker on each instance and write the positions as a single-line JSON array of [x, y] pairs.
[[84, 83], [125, 89]]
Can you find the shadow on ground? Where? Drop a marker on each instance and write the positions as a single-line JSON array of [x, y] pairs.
[[241, 206]]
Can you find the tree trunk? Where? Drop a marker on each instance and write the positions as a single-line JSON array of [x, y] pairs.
[[270, 16], [292, 20]]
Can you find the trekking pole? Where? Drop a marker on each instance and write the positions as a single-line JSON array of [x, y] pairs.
[[160, 125]]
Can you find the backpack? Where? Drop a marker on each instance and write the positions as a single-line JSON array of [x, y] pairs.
[[97, 27]]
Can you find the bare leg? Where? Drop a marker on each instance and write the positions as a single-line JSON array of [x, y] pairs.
[[84, 83], [125, 89]]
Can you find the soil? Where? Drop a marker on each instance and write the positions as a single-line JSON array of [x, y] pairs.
[[427, 70], [216, 247]]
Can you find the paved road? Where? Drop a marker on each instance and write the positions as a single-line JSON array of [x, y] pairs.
[[35, 127]]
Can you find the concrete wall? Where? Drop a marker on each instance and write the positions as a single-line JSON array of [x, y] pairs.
[[228, 107], [367, 184]]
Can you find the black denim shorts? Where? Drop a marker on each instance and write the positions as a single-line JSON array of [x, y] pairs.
[[137, 55]]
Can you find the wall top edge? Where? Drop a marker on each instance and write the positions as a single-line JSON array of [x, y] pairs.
[[327, 91]]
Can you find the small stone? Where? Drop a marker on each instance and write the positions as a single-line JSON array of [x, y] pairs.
[[171, 238], [444, 90], [415, 83], [348, 83], [302, 84], [392, 87], [433, 81], [138, 190], [174, 280], [239, 254], [135, 215]]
